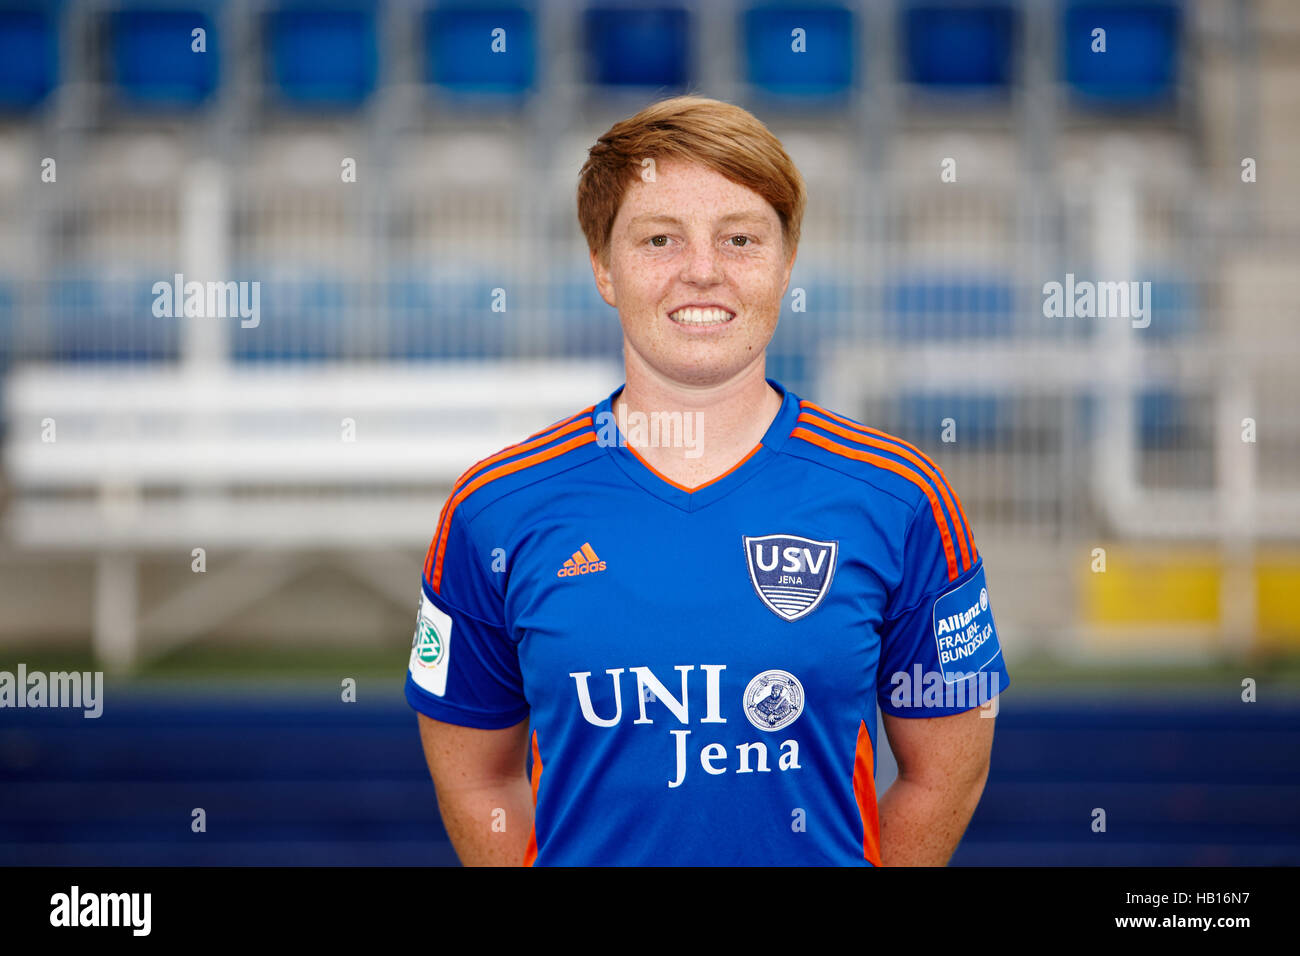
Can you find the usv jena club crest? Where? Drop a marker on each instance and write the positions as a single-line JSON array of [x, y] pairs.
[[790, 574]]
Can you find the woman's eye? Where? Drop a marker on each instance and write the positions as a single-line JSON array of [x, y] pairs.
[[655, 241], [746, 238]]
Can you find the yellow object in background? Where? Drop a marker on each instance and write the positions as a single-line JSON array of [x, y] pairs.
[[1277, 586], [1177, 591]]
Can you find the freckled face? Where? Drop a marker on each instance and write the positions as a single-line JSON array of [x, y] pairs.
[[694, 238]]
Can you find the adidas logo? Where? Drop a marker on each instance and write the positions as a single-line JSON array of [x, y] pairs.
[[584, 561]]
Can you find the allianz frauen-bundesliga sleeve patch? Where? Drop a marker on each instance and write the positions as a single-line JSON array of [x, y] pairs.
[[964, 634]]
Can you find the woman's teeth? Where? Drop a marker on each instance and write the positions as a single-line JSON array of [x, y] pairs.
[[693, 316]]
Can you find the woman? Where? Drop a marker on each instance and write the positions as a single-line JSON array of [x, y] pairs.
[[687, 599]]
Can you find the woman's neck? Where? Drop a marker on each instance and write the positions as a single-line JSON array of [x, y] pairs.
[[693, 434]]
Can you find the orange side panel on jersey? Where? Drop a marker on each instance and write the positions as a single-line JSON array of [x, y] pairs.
[[888, 464], [530, 854], [573, 423], [902, 453], [868, 430], [864, 791], [500, 471]]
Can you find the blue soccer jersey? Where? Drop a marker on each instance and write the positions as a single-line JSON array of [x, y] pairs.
[[701, 667]]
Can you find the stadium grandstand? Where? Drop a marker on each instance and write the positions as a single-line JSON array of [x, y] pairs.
[[378, 202]]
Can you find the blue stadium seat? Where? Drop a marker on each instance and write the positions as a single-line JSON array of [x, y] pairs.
[[581, 323], [824, 69], [945, 307], [1175, 310], [796, 354], [8, 323], [303, 318], [443, 318], [959, 44], [300, 782], [93, 319], [323, 55], [153, 61], [1167, 419], [794, 368], [311, 318], [643, 46], [1140, 65], [8, 343], [981, 420], [300, 798], [830, 296], [460, 54], [29, 55], [1058, 755]]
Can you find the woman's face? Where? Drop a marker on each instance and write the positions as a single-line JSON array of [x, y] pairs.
[[694, 238]]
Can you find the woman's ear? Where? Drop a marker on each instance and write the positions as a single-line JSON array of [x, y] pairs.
[[789, 267], [600, 270]]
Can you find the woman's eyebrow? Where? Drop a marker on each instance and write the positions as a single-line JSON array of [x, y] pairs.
[[746, 215]]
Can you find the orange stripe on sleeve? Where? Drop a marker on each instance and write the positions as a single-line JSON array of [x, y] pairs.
[[867, 429], [437, 533], [889, 464], [523, 446], [951, 512], [546, 434], [563, 421], [864, 791], [500, 471]]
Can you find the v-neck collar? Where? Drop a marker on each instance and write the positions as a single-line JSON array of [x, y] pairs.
[[611, 437]]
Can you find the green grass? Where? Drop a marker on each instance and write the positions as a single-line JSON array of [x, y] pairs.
[[1041, 669], [1273, 675]]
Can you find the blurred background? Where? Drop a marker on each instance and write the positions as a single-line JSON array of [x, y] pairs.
[[226, 512]]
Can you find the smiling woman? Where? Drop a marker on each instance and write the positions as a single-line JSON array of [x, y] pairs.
[[772, 570], [697, 270], [692, 212]]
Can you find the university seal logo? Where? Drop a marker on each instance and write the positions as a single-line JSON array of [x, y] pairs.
[[773, 699], [790, 574]]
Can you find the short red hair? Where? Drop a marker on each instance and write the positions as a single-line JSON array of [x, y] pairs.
[[725, 138]]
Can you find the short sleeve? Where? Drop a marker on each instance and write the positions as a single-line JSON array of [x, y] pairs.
[[940, 652], [464, 667]]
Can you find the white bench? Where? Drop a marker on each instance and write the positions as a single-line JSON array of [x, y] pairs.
[[277, 462]]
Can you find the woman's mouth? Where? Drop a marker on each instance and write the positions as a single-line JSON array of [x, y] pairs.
[[701, 317]]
